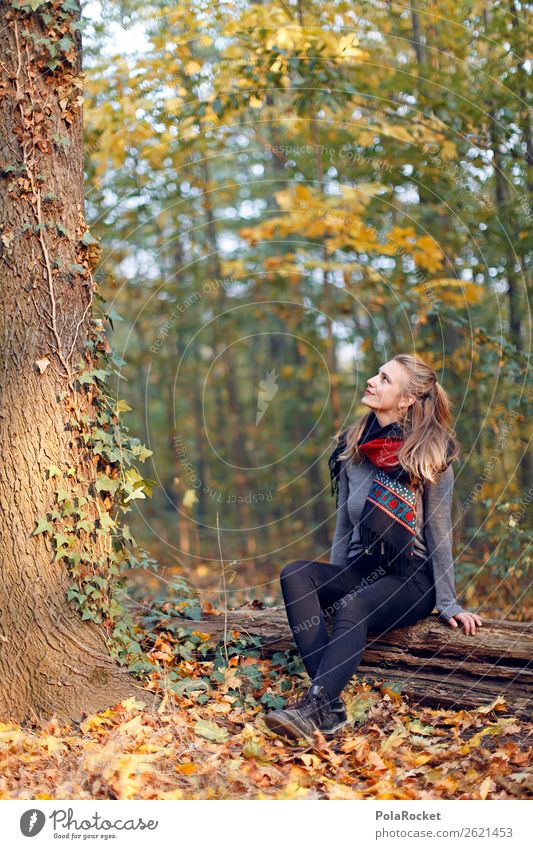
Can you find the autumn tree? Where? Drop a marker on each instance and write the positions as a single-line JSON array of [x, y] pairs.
[[67, 466]]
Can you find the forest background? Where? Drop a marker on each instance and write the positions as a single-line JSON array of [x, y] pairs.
[[279, 197], [286, 195]]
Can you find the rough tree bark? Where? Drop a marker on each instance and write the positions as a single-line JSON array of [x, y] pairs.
[[50, 660]]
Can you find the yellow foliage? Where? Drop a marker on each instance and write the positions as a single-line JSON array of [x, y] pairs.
[[192, 67], [453, 292]]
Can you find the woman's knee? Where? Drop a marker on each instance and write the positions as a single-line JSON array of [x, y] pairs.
[[296, 569]]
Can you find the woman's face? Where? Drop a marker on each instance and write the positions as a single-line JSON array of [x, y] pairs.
[[385, 390]]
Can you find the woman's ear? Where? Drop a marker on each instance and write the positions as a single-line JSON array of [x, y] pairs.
[[406, 402]]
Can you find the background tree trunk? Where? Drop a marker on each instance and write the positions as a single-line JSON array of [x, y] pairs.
[[50, 660]]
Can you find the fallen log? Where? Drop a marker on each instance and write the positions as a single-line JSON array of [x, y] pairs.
[[432, 664]]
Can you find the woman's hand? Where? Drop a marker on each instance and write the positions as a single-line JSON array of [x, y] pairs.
[[467, 620]]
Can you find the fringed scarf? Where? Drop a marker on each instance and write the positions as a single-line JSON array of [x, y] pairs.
[[387, 526]]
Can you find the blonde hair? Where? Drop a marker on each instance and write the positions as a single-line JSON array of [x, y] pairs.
[[430, 444]]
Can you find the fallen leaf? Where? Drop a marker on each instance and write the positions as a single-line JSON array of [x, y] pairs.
[[186, 768], [210, 731], [43, 364]]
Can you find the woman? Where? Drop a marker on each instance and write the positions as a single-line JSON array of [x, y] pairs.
[[391, 558]]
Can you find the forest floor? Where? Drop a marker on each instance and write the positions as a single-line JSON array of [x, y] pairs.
[[220, 751], [207, 740]]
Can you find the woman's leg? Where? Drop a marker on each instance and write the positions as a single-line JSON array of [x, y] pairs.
[[379, 607], [309, 587]]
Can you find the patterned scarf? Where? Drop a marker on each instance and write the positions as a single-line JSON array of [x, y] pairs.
[[387, 526]]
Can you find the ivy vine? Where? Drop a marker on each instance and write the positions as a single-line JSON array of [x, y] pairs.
[[86, 521]]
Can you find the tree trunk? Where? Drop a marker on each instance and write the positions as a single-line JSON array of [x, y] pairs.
[[434, 665], [50, 660], [234, 419]]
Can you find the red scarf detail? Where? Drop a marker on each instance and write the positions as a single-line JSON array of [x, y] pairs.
[[382, 452]]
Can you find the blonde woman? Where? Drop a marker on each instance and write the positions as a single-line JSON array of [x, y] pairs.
[[391, 561]]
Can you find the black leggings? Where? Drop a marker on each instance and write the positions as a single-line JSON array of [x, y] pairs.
[[363, 596]]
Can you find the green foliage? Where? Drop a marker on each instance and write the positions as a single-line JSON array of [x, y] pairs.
[[508, 536]]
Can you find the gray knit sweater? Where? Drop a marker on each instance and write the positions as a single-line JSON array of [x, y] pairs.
[[434, 527]]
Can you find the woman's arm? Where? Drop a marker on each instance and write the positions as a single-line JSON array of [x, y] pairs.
[[344, 527], [439, 540]]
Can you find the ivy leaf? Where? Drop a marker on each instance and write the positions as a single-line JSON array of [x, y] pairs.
[[43, 525], [53, 471], [72, 592], [65, 43], [113, 454], [85, 377], [97, 579], [106, 484], [62, 539], [137, 493], [141, 452], [106, 521], [126, 533], [122, 407], [102, 435], [88, 376], [112, 315], [62, 230], [88, 239]]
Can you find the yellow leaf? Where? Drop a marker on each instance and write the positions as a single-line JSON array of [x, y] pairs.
[[253, 749], [133, 704], [486, 787], [293, 791], [50, 743], [310, 760], [190, 498], [348, 46], [477, 738], [277, 65], [497, 704], [186, 768], [201, 634], [132, 726], [192, 67], [397, 737]]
